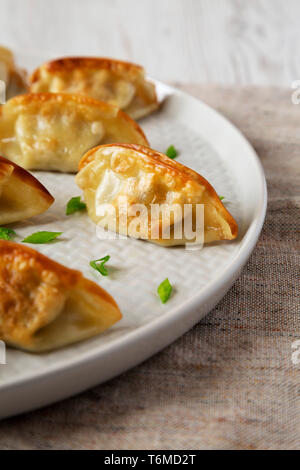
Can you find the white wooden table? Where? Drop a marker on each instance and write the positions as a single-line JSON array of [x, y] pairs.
[[191, 41]]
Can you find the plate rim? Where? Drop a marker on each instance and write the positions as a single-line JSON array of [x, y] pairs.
[[226, 277]]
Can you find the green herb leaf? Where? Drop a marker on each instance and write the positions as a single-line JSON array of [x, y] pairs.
[[7, 233], [75, 205], [221, 198], [98, 264], [41, 237], [164, 290], [171, 152]]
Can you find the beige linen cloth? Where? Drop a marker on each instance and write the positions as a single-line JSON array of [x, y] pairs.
[[230, 382]]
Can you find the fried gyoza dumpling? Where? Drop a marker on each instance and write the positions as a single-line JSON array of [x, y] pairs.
[[14, 79], [124, 183], [44, 305], [21, 194], [50, 131], [119, 83]]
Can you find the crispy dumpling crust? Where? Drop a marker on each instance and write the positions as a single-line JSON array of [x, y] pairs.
[[51, 131], [154, 178], [21, 194], [119, 83], [44, 305]]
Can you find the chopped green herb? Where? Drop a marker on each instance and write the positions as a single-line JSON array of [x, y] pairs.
[[75, 205], [41, 237], [171, 152], [164, 290], [98, 264], [221, 198], [7, 233]]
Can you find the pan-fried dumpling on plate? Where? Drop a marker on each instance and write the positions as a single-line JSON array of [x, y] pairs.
[[44, 305], [51, 131], [119, 83], [21, 194], [14, 78], [124, 183]]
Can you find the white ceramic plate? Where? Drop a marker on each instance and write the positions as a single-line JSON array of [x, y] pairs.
[[208, 143]]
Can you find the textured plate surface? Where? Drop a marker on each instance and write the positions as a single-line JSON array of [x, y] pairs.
[[208, 144]]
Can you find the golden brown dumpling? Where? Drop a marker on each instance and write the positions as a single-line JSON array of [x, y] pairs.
[[14, 78], [21, 194], [51, 131], [119, 83], [116, 179], [44, 305]]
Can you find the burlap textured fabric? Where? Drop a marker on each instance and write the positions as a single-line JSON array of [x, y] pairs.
[[230, 383]]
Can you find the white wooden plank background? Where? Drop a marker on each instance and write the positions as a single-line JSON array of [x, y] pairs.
[[225, 41]]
